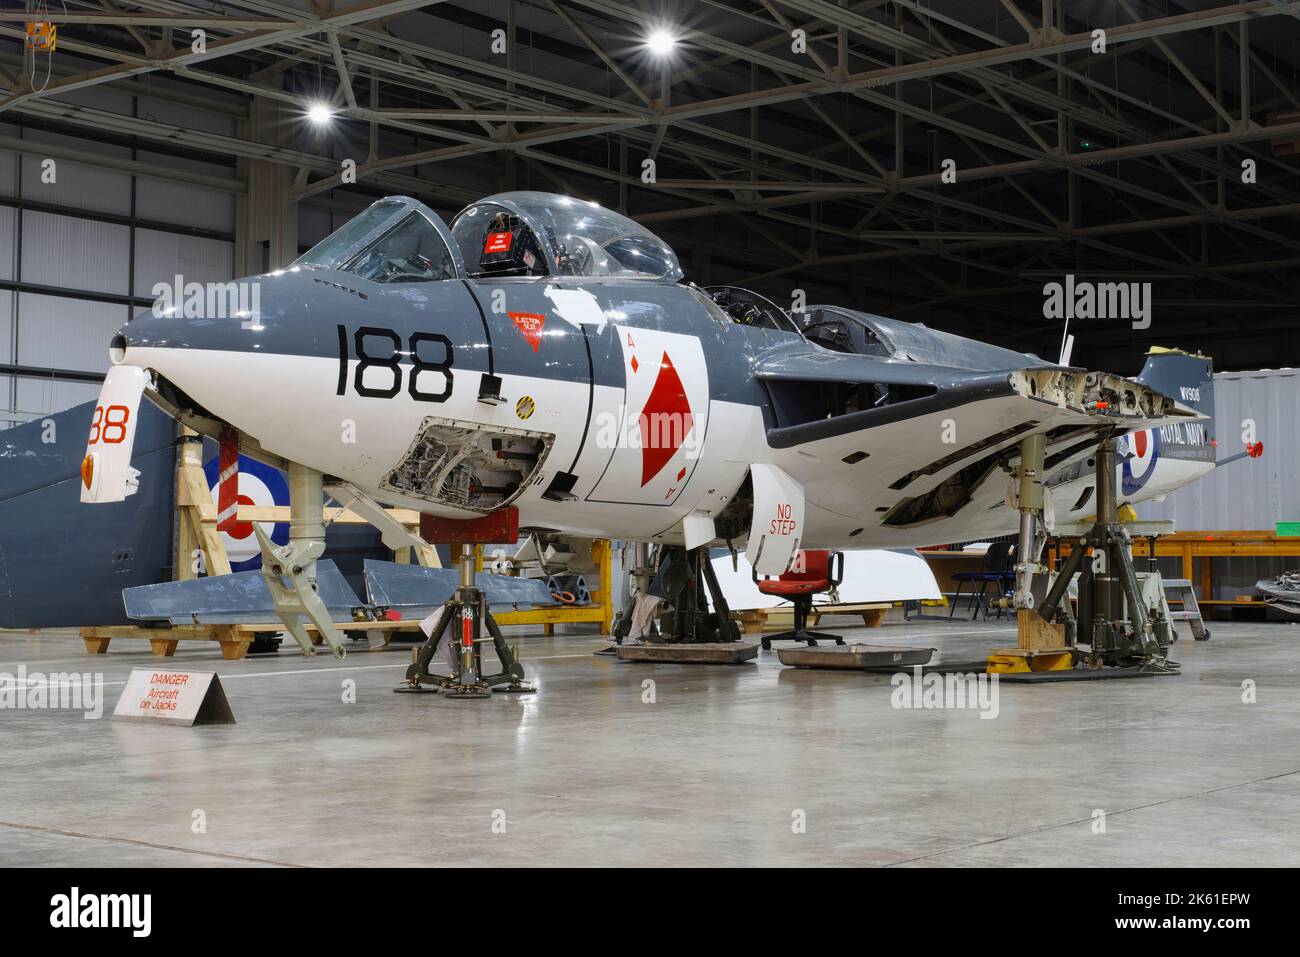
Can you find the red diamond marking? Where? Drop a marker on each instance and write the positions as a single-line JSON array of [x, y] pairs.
[[635, 364], [681, 473], [664, 421]]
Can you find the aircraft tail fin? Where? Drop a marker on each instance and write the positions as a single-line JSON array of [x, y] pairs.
[[1185, 376]]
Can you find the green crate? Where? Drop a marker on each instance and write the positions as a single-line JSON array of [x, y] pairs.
[[1288, 529]]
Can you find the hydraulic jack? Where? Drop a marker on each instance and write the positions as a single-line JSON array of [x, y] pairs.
[[1118, 627], [691, 633], [641, 600], [468, 609]]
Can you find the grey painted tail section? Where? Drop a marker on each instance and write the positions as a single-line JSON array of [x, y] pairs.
[[62, 563], [1187, 378]]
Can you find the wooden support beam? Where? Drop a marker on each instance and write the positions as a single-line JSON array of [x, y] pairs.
[[198, 513], [163, 647]]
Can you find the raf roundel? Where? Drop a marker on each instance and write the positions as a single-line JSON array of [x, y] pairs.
[[259, 484]]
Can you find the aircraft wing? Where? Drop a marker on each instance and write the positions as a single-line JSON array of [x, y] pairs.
[[861, 392], [897, 444]]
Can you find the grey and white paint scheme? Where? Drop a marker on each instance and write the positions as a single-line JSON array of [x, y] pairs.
[[522, 356]]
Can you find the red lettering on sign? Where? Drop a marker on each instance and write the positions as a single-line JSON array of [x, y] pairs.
[[530, 324], [783, 524]]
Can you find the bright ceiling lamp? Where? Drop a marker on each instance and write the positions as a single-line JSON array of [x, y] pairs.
[[319, 113], [661, 42]]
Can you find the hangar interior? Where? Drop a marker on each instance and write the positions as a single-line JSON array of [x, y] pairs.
[[942, 162]]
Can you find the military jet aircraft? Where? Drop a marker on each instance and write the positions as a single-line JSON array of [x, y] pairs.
[[546, 353]]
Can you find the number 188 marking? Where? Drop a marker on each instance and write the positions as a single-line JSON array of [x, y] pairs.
[[392, 362]]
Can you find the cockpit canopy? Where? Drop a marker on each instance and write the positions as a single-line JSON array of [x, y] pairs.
[[545, 234], [399, 239], [393, 240]]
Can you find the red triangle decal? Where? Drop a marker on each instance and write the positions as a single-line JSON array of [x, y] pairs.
[[530, 324]]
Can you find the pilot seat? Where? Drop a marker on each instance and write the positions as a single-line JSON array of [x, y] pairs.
[[510, 249]]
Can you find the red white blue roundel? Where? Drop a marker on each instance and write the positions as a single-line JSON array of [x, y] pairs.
[[1137, 470], [259, 484]]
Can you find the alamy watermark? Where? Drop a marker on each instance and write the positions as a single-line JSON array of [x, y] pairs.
[[240, 299], [36, 691], [649, 430], [1098, 300], [935, 691], [75, 910]]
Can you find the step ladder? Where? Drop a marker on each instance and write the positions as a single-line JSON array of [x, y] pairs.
[[1179, 591]]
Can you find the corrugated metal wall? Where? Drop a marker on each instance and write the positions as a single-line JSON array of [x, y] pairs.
[[1249, 494], [80, 256]]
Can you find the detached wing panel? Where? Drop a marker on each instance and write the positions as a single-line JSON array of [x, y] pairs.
[[237, 599]]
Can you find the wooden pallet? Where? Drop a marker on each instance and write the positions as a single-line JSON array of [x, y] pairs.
[[234, 639], [758, 620]]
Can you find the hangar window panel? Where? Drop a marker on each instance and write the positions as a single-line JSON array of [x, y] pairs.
[[99, 98], [188, 164], [410, 251], [161, 257], [45, 396], [313, 225], [182, 203], [55, 332], [8, 171], [6, 332], [8, 245], [190, 116], [75, 253], [78, 184]]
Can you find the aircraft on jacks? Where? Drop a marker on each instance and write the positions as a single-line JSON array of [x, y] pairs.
[[543, 358]]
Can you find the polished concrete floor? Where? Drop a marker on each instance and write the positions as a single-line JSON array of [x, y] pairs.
[[716, 771]]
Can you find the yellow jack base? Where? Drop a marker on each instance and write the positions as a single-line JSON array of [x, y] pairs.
[[1010, 661]]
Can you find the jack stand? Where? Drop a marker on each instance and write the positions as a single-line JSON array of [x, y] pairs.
[[642, 572], [1040, 646], [297, 563], [1113, 620], [691, 633], [469, 607], [685, 579]]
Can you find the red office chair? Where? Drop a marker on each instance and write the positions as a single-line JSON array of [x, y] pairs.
[[812, 572]]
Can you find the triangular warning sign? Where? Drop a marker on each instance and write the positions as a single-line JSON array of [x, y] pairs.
[[530, 324], [174, 697]]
